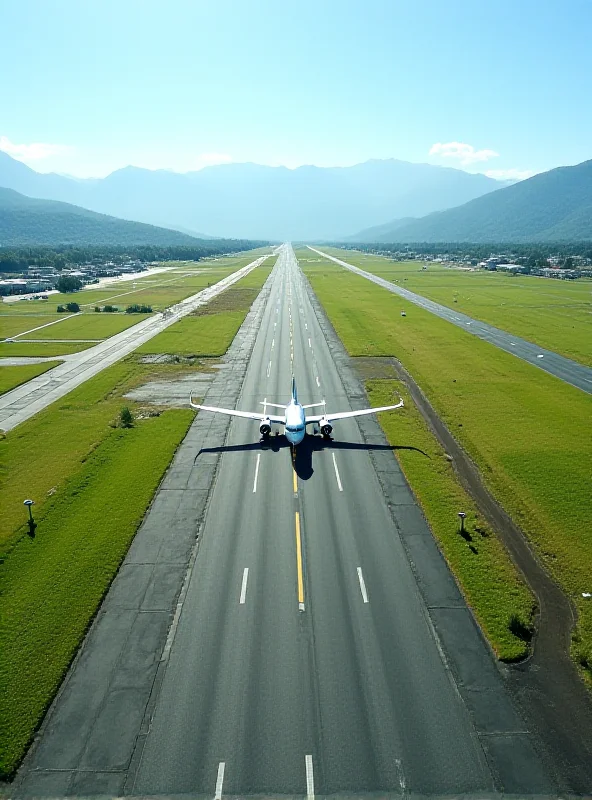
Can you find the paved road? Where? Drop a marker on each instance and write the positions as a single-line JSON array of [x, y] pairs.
[[352, 694], [23, 402], [567, 370]]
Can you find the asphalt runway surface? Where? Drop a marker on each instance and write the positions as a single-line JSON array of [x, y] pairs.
[[563, 368], [318, 645], [23, 402]]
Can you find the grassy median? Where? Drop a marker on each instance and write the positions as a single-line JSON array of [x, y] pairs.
[[527, 431], [208, 332], [499, 598]]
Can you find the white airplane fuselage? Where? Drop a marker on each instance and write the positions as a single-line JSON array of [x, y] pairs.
[[295, 426]]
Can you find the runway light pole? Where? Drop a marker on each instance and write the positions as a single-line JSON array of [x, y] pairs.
[[32, 523], [462, 516]]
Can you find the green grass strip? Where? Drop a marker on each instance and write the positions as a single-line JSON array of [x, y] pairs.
[[500, 600], [209, 332], [11, 377], [22, 349], [203, 336]]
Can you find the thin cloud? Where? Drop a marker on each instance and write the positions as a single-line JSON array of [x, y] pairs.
[[509, 174], [465, 154], [30, 152]]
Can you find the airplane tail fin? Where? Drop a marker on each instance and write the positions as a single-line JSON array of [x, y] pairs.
[[294, 392]]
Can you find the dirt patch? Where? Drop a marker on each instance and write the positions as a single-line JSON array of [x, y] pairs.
[[379, 368], [173, 393], [236, 298], [547, 685]]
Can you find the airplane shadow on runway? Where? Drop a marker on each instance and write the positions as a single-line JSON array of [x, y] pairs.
[[303, 462]]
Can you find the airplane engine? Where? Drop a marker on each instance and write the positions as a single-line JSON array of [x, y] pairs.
[[265, 427], [326, 427]]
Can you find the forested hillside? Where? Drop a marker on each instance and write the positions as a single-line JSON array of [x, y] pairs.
[[28, 221]]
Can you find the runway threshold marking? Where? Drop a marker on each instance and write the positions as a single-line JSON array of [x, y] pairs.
[[243, 591], [220, 780], [256, 472], [362, 585], [310, 792], [340, 487], [299, 564]]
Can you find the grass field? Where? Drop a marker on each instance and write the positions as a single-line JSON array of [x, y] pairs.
[[202, 336], [87, 326], [161, 291], [41, 349], [527, 431], [501, 601], [211, 329], [11, 377], [12, 325], [554, 314]]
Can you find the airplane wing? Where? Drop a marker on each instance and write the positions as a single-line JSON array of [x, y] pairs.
[[347, 414], [257, 415]]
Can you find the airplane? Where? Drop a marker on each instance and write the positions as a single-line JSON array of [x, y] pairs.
[[294, 419]]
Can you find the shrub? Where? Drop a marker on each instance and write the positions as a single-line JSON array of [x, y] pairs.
[[60, 309], [126, 418], [73, 307], [97, 309], [137, 309], [110, 309]]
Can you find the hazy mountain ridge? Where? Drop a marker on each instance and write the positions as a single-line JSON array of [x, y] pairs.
[[255, 201], [551, 206], [30, 221]]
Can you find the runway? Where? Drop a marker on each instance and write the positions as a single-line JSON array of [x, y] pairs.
[[563, 368], [306, 656], [333, 686]]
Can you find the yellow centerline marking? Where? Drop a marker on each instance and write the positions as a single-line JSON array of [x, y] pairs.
[[295, 480], [299, 564]]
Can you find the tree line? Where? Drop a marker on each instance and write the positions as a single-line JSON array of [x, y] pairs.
[[18, 259], [535, 254]]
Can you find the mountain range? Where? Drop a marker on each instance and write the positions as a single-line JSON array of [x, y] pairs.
[[255, 201], [551, 206], [29, 221]]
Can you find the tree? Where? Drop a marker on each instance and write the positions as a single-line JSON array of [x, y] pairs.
[[73, 307], [66, 283], [126, 418]]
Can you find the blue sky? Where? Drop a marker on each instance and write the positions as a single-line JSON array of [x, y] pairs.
[[88, 87]]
